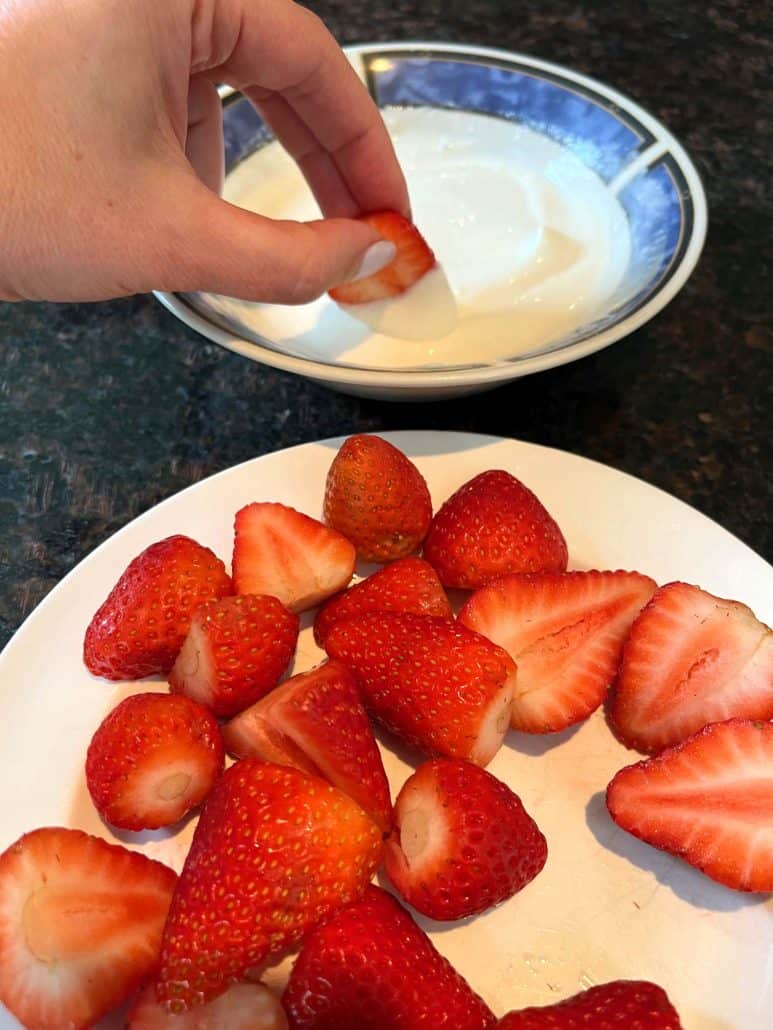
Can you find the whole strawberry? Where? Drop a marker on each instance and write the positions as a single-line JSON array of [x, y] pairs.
[[370, 967], [435, 684], [406, 585], [153, 759], [377, 498], [463, 841], [493, 525], [140, 628], [275, 852], [620, 1005], [236, 651]]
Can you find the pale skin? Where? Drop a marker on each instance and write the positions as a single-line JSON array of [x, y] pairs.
[[111, 150]]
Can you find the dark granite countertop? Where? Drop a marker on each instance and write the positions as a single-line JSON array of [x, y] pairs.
[[105, 409]]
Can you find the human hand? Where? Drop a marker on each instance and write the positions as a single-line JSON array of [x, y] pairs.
[[111, 150]]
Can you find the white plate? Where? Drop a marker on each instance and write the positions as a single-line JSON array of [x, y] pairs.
[[606, 906]]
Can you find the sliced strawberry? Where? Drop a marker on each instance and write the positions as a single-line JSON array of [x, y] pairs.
[[80, 926], [708, 800], [236, 651], [275, 851], [153, 759], [140, 628], [377, 498], [283, 553], [491, 526], [408, 585], [316, 722], [565, 632], [412, 261], [435, 684], [241, 1007], [370, 967], [620, 1005], [463, 841], [691, 659]]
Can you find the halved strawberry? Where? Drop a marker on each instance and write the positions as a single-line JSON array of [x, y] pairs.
[[283, 553], [377, 498], [244, 1006], [438, 685], [153, 759], [412, 261], [370, 967], [463, 841], [236, 651], [691, 659], [565, 632], [316, 722], [80, 926], [407, 585], [140, 628], [708, 800], [275, 851], [620, 1005], [491, 526]]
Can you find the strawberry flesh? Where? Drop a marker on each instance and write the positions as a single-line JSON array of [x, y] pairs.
[[620, 1005], [243, 1006]]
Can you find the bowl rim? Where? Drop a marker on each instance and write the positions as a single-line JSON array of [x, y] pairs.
[[507, 368]]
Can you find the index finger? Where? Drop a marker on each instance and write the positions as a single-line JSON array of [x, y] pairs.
[[282, 56]]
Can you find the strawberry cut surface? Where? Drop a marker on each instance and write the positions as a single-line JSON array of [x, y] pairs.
[[708, 800], [620, 1005], [690, 659], [244, 1006], [565, 631]]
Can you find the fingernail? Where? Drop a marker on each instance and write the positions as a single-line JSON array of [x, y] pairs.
[[377, 256]]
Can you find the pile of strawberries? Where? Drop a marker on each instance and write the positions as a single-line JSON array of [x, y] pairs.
[[291, 834]]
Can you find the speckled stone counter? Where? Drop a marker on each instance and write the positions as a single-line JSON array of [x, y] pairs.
[[106, 409]]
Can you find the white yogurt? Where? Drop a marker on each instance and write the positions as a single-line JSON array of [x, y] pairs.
[[531, 244]]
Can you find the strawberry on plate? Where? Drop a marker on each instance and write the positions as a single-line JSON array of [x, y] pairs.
[[435, 684], [243, 1006], [411, 262], [140, 628], [153, 759], [281, 552], [462, 842], [236, 651], [275, 852], [407, 585], [377, 498], [491, 526], [565, 632], [80, 926], [708, 800], [370, 967], [620, 1005], [691, 659], [316, 722]]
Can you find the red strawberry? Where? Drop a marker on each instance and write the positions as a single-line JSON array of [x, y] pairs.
[[463, 842], [152, 760], [316, 723], [141, 626], [275, 851], [377, 498], [371, 968], [408, 585], [80, 926], [432, 682], [412, 261], [565, 631], [620, 1005], [286, 554], [490, 526], [244, 1006], [691, 659], [708, 800], [236, 651]]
